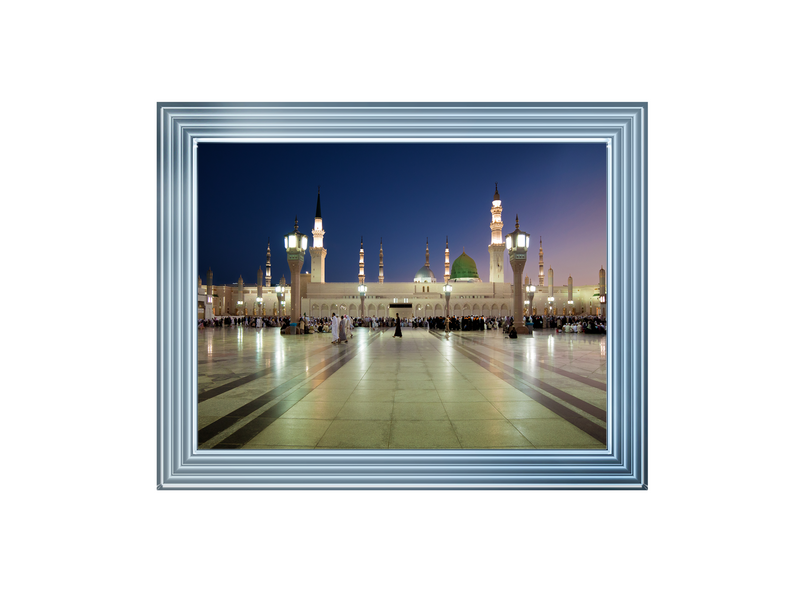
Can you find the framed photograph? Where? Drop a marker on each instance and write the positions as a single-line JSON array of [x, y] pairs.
[[309, 338]]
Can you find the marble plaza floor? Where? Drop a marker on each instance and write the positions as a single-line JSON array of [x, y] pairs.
[[258, 389]]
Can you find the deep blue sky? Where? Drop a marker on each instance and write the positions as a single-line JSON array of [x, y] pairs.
[[404, 193]]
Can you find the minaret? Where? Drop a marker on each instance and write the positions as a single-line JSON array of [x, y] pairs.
[[268, 266], [497, 247], [541, 264], [382, 278], [427, 253], [446, 262], [209, 281], [361, 277], [317, 252]]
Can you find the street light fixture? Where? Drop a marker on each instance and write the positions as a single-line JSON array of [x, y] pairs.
[[517, 244], [531, 289], [447, 292], [295, 247], [361, 289], [280, 296]]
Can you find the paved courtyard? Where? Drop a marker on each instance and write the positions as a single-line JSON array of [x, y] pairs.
[[258, 389]]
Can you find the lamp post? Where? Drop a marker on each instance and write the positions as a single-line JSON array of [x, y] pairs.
[[280, 297], [550, 301], [447, 291], [517, 244], [258, 311], [569, 296], [295, 247], [361, 289], [602, 298], [531, 289]]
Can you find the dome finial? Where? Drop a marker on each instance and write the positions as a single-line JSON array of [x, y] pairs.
[[517, 221]]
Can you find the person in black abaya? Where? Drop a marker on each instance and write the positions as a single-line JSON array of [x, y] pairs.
[[398, 332]]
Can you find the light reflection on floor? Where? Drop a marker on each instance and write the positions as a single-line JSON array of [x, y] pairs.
[[474, 390]]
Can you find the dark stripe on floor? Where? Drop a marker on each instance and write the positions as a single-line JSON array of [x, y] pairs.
[[243, 435], [562, 372], [582, 423], [591, 409], [214, 428], [217, 391]]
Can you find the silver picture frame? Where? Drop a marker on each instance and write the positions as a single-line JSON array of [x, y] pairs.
[[622, 465]]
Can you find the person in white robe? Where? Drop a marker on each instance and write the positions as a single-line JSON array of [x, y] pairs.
[[335, 322], [342, 329]]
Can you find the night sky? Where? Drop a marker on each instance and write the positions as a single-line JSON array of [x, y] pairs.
[[404, 193]]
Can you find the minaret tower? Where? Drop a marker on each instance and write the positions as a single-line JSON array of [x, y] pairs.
[[427, 253], [446, 263], [317, 252], [268, 266], [541, 264], [497, 247], [361, 277], [382, 278]]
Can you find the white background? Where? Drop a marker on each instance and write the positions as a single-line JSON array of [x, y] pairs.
[[84, 521]]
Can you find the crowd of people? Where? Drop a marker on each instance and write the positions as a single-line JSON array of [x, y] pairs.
[[346, 324]]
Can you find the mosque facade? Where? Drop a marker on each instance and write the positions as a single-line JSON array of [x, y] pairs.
[[422, 297]]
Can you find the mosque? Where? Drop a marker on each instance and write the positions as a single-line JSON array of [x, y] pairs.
[[421, 297]]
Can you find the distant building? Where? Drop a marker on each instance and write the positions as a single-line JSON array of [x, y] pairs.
[[423, 296]]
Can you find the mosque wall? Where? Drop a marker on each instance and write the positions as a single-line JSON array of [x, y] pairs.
[[426, 299]]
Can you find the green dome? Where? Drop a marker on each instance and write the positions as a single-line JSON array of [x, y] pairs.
[[463, 267]]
